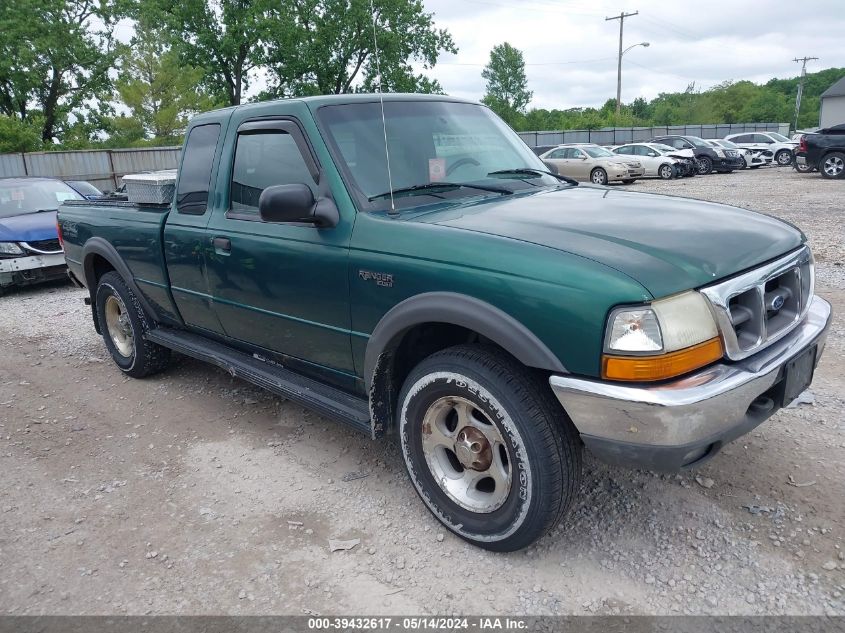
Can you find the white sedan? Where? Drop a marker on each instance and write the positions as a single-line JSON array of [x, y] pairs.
[[780, 146], [654, 158]]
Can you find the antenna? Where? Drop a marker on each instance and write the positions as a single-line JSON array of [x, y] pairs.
[[381, 101]]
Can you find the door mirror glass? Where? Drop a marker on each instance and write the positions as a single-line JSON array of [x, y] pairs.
[[287, 203]]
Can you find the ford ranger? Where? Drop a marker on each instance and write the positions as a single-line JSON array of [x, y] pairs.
[[410, 268]]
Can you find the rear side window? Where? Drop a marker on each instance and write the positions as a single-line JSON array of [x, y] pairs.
[[262, 160], [195, 174], [626, 149]]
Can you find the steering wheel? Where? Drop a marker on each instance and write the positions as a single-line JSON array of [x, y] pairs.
[[460, 163]]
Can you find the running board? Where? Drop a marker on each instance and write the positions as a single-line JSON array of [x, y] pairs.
[[326, 400]]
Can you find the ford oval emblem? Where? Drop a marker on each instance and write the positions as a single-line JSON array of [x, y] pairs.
[[777, 302]]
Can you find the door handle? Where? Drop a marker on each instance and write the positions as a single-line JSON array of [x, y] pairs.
[[222, 245]]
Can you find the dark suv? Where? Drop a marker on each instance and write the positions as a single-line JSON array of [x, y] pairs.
[[709, 158]]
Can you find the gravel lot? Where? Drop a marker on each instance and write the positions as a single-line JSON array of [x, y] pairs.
[[192, 492]]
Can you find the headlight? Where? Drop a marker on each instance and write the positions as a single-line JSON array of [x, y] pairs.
[[10, 248], [719, 152], [667, 338]]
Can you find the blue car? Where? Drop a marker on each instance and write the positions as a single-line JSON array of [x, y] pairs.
[[30, 250]]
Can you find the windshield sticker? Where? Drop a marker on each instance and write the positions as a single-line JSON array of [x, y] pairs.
[[17, 194], [436, 169]]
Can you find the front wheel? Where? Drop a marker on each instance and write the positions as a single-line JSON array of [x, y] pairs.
[[783, 157], [598, 176], [124, 323], [666, 172], [488, 449], [705, 165], [833, 165], [628, 181]]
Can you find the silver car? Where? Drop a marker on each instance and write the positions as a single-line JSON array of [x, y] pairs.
[[593, 163]]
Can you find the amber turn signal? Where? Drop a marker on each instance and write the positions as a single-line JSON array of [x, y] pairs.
[[650, 368]]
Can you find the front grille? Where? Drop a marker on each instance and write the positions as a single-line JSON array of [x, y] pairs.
[[759, 307], [43, 246]]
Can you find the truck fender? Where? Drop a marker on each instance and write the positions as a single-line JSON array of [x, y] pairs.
[[444, 307], [99, 246]]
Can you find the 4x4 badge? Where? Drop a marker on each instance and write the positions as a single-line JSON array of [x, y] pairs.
[[382, 279]]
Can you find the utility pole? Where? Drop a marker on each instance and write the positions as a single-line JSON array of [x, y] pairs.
[[621, 17], [803, 61]]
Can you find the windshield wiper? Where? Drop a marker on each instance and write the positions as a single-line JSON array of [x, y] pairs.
[[530, 170], [440, 185]]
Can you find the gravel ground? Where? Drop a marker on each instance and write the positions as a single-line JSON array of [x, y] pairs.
[[193, 492]]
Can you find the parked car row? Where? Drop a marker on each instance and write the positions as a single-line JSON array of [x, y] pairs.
[[668, 156]]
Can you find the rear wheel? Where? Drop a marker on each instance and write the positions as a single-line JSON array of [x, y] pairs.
[[666, 171], [488, 449], [598, 176], [783, 157], [833, 165], [802, 168], [124, 323], [705, 165]]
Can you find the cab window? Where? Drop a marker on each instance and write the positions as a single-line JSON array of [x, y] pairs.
[[264, 159], [195, 174]]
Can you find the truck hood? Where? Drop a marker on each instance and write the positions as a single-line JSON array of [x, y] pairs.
[[667, 244], [30, 227]]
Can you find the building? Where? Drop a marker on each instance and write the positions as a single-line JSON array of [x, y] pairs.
[[832, 105]]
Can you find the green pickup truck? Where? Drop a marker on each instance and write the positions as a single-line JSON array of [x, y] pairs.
[[411, 269]]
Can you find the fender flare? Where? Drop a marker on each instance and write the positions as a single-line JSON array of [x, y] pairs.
[[464, 311], [99, 246]]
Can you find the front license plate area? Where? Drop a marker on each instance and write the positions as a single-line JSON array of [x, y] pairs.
[[798, 374]]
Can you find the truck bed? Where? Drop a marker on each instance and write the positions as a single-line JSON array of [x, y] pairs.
[[134, 230]]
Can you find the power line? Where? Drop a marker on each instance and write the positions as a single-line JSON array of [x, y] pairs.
[[576, 61], [803, 61]]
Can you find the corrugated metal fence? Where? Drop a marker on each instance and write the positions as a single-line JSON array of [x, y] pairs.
[[102, 168], [619, 135]]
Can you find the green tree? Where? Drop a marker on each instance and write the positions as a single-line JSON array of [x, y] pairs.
[[328, 46], [225, 38], [54, 59], [160, 94], [507, 86], [18, 136]]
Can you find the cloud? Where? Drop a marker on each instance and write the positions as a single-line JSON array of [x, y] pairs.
[[570, 50]]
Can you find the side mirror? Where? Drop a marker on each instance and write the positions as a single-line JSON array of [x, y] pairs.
[[582, 157], [296, 203], [551, 167], [652, 154]]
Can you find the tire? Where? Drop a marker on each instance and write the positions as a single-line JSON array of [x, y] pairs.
[[450, 407], [802, 169], [832, 165], [783, 158], [705, 165], [124, 323], [598, 176], [666, 171], [629, 181], [744, 162]]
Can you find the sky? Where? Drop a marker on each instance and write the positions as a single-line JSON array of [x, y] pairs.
[[570, 50]]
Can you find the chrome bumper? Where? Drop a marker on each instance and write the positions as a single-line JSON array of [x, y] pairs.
[[680, 423]]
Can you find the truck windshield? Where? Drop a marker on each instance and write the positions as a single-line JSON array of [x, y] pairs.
[[19, 196], [428, 142]]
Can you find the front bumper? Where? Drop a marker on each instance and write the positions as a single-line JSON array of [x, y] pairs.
[[684, 422], [727, 163], [19, 270]]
